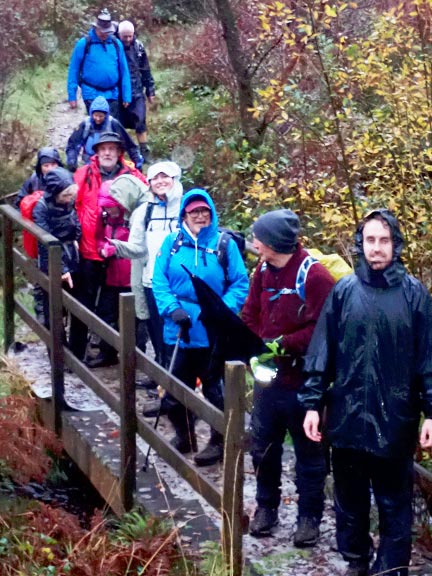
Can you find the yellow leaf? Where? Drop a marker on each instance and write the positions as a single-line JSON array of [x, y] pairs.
[[330, 11]]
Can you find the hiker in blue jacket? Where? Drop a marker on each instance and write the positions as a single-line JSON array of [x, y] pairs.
[[195, 247], [99, 66], [88, 132]]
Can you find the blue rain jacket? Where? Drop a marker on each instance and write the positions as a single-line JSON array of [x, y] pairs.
[[172, 286]]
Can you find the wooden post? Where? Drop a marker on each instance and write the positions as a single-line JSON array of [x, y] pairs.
[[232, 497], [128, 419], [8, 283], [56, 330]]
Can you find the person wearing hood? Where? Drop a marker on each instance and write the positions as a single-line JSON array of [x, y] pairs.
[[370, 365], [48, 158], [98, 65], [55, 213], [87, 135], [112, 223], [282, 314], [106, 164], [195, 247], [152, 222]]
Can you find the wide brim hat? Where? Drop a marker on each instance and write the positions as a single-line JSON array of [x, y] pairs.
[[109, 137]]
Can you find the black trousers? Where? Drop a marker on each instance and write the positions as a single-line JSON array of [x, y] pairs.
[[276, 410], [90, 279], [356, 473], [190, 364], [155, 329], [108, 308]]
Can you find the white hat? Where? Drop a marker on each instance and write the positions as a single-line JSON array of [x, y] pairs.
[[169, 168]]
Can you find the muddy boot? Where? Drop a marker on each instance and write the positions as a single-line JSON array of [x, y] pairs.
[[213, 452], [184, 425], [263, 522], [184, 442], [307, 532], [145, 152]]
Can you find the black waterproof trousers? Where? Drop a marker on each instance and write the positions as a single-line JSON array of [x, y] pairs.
[[356, 474], [276, 410], [190, 364]]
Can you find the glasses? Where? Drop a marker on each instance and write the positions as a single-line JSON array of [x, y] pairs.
[[199, 212]]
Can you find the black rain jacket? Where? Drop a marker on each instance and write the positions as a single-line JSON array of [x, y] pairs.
[[37, 180], [370, 358], [60, 220]]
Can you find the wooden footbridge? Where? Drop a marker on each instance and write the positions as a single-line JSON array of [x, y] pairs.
[[115, 471]]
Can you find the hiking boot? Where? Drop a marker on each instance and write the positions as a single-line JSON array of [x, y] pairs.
[[263, 521], [100, 361], [184, 444], [307, 532], [211, 454], [146, 383], [357, 568], [145, 151]]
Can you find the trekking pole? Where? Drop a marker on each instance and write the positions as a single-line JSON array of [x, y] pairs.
[[170, 369]]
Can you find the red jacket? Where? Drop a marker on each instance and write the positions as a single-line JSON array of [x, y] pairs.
[[288, 315], [89, 181]]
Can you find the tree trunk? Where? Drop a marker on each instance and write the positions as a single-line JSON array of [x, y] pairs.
[[237, 59]]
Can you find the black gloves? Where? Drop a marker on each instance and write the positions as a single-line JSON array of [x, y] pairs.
[[182, 319], [71, 167]]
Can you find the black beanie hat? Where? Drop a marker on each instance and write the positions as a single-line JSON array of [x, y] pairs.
[[278, 230]]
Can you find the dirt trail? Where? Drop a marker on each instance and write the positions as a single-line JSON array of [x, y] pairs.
[[274, 555]]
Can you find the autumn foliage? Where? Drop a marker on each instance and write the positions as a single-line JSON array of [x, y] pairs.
[[24, 444], [51, 541]]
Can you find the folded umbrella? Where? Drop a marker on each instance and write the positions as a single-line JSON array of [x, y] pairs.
[[228, 335]]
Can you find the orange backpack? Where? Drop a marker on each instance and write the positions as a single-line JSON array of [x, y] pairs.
[[26, 207]]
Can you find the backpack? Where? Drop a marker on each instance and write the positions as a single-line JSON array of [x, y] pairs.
[[88, 128], [332, 262], [27, 204], [88, 44], [225, 235]]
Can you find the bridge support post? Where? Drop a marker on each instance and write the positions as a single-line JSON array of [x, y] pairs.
[[128, 419], [8, 283], [232, 497], [56, 329]]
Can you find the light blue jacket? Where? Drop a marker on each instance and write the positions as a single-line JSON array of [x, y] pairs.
[[101, 68], [172, 286]]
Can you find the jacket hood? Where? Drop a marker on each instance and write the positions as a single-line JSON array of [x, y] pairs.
[[47, 152], [56, 181], [99, 104], [199, 194], [130, 192], [391, 275]]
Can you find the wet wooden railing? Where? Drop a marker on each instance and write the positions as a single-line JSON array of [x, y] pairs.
[[228, 500]]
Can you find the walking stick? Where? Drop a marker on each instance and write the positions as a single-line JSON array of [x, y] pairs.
[[170, 369]]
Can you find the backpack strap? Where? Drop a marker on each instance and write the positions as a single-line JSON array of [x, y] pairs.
[[221, 249], [300, 282], [222, 253], [148, 214]]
